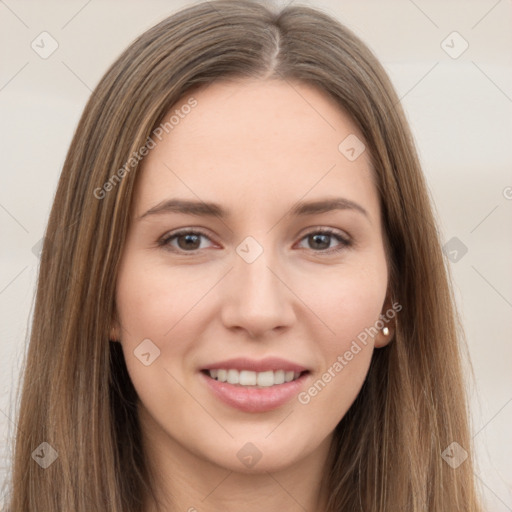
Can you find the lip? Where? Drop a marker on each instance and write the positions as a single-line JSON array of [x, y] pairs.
[[254, 400], [263, 365]]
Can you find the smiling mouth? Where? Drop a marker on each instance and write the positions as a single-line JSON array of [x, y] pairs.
[[252, 379]]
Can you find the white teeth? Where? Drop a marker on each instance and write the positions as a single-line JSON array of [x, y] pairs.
[[233, 377], [265, 379], [279, 377], [247, 378], [250, 378]]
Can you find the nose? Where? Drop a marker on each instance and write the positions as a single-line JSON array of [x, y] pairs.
[[257, 298]]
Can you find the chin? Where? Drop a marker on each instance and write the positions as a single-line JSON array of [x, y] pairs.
[[259, 457]]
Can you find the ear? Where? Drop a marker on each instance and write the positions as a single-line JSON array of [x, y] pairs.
[[115, 329], [388, 323], [114, 334]]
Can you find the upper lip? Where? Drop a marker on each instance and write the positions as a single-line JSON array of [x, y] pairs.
[[262, 365]]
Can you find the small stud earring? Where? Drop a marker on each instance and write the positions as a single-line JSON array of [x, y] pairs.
[[385, 331]]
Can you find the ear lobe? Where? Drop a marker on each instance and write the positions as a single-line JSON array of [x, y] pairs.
[[387, 333], [382, 339], [115, 331], [115, 324]]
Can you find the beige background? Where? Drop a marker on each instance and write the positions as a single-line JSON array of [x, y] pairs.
[[459, 108]]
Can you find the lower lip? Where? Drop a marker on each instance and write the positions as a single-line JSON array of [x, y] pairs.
[[255, 399]]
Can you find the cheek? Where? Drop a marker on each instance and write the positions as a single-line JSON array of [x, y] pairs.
[[348, 303], [350, 309], [154, 307], [164, 307], [150, 302]]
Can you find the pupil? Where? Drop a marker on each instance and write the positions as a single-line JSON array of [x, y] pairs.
[[188, 237], [319, 235]]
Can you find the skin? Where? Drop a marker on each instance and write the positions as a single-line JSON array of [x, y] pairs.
[[255, 148]]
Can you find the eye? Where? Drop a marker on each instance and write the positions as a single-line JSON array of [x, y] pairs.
[[190, 240], [320, 239], [187, 240]]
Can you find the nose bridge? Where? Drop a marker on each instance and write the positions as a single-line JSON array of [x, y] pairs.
[[258, 301], [259, 285]]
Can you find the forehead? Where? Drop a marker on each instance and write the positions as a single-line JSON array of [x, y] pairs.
[[255, 114], [256, 142]]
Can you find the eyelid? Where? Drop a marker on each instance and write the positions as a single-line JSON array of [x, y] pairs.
[[328, 230], [163, 241], [344, 239]]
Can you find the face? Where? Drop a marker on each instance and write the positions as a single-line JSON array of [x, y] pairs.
[[259, 288]]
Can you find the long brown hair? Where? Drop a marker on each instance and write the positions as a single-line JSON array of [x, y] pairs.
[[76, 394]]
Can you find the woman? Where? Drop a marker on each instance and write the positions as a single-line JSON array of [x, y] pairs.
[[245, 368]]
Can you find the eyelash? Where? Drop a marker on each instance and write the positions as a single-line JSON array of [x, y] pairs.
[[344, 242]]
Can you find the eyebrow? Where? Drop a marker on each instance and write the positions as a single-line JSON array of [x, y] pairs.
[[208, 209]]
